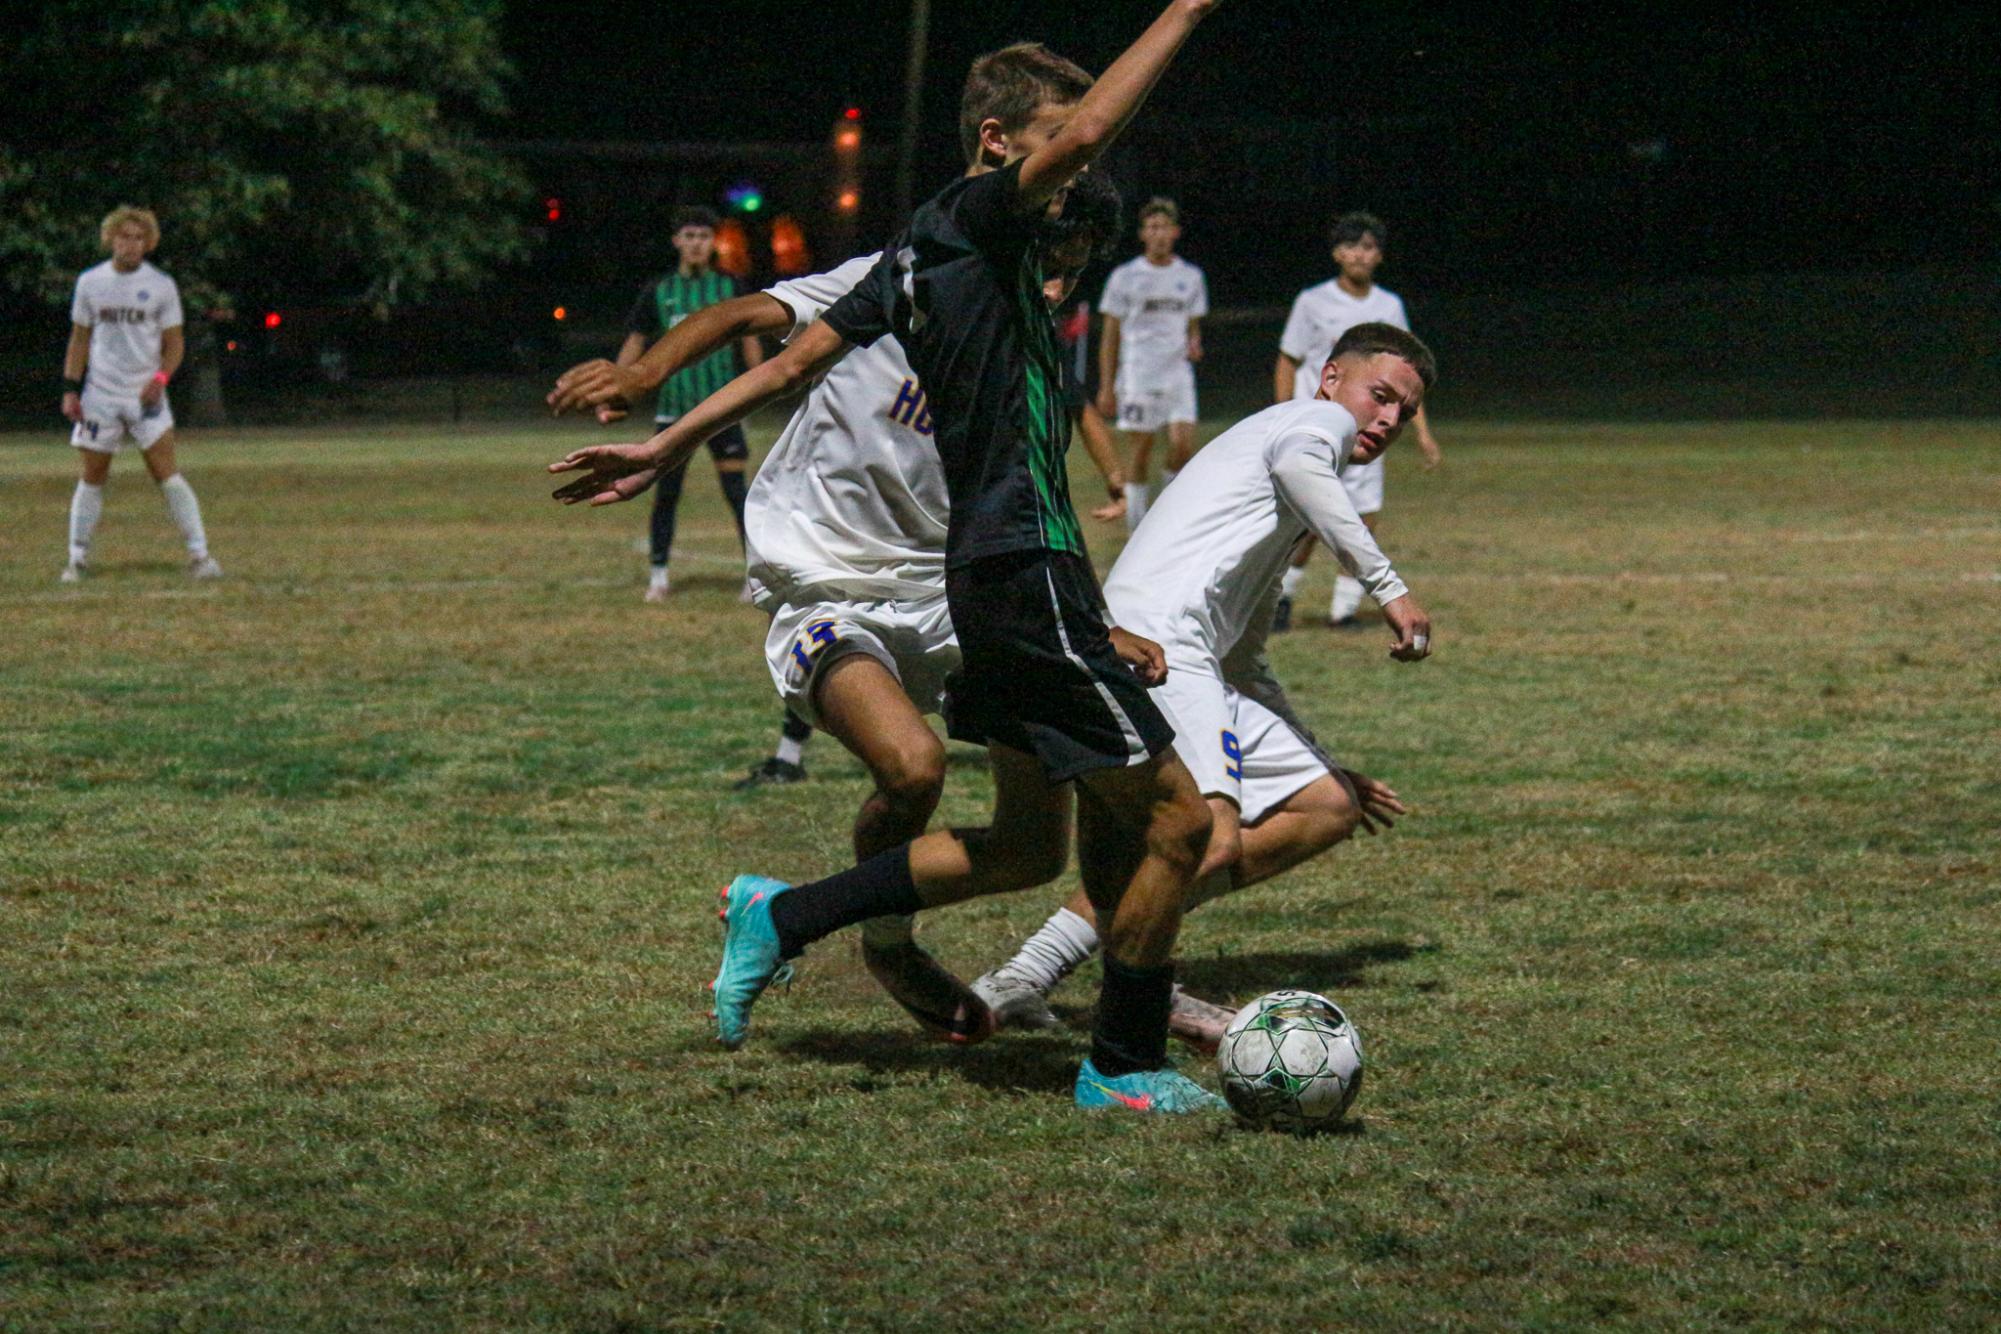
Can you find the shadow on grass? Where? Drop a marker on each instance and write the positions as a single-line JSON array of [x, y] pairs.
[[1008, 1063], [1248, 975]]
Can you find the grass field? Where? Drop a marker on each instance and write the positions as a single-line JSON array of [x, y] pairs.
[[357, 912]]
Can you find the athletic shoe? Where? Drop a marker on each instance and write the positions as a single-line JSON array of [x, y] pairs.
[[1281, 615], [942, 1005], [656, 593], [1166, 1091], [750, 955], [204, 567], [1197, 1022], [1015, 1001], [773, 770], [73, 573]]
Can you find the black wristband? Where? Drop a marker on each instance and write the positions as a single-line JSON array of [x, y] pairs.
[[72, 386]]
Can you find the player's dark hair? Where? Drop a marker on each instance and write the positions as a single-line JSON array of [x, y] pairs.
[[1093, 206], [1352, 227], [695, 215], [1367, 340], [1009, 85], [1160, 206]]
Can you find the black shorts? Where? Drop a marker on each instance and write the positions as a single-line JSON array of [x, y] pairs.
[[725, 444], [1038, 673]]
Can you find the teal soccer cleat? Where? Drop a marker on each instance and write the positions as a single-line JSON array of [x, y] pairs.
[[1166, 1091], [750, 955]]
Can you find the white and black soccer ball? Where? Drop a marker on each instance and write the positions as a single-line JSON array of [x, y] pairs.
[[1290, 1061]]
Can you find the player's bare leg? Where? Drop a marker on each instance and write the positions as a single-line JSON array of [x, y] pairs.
[[863, 706], [182, 505], [1139, 491], [1347, 591], [1322, 814], [1180, 449], [1288, 586]]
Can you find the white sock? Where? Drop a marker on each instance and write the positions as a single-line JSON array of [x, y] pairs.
[[1347, 598], [790, 751], [885, 932], [658, 579], [1289, 582], [85, 508], [1056, 948], [181, 503], [1136, 493]]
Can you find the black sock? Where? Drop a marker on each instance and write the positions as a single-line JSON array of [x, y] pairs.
[[666, 500], [735, 489], [1131, 1032], [879, 887], [796, 728]]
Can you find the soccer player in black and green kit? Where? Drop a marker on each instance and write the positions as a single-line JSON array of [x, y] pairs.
[[662, 304], [1058, 698]]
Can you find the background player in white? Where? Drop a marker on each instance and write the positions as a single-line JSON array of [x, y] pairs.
[[1151, 338], [125, 344], [1319, 316], [1199, 577], [846, 525]]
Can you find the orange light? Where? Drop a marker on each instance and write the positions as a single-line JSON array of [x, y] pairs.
[[853, 113], [272, 319], [559, 313], [733, 249], [848, 139], [789, 254], [848, 201]]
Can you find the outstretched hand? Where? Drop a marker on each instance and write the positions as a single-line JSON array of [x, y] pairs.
[[595, 384], [611, 473], [1378, 801]]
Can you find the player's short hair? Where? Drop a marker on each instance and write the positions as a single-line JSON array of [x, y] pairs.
[[1352, 227], [1367, 340], [695, 215], [123, 214], [1010, 84], [1160, 206], [1093, 208]]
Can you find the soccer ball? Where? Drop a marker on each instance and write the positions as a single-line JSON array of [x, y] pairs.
[[1290, 1061]]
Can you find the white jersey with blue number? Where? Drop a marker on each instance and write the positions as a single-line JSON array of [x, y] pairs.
[[850, 503]]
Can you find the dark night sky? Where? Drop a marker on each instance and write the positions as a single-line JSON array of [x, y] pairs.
[[1608, 139]]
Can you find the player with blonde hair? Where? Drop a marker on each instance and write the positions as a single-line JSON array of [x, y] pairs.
[[125, 345]]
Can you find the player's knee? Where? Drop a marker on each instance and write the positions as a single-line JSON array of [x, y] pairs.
[[1180, 832], [913, 775]]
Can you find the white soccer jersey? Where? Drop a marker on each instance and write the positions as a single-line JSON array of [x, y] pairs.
[[1199, 572], [1320, 315], [1153, 304], [851, 500], [126, 313]]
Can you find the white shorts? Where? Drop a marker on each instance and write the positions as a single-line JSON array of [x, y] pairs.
[[1365, 485], [1147, 405], [912, 638], [1236, 748], [108, 421]]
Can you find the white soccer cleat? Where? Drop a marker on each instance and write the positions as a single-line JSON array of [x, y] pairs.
[[204, 567], [73, 573], [1196, 1021], [1014, 1001], [656, 593]]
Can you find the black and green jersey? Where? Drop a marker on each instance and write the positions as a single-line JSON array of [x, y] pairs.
[[664, 304], [961, 290]]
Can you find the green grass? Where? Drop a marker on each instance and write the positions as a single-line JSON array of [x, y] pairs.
[[357, 912]]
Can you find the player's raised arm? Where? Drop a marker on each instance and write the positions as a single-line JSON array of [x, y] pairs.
[[600, 383], [1111, 103], [620, 472]]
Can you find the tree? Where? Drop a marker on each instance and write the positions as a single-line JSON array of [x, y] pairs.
[[276, 139]]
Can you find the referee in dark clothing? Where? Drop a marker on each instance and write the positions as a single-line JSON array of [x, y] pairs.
[[662, 304]]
